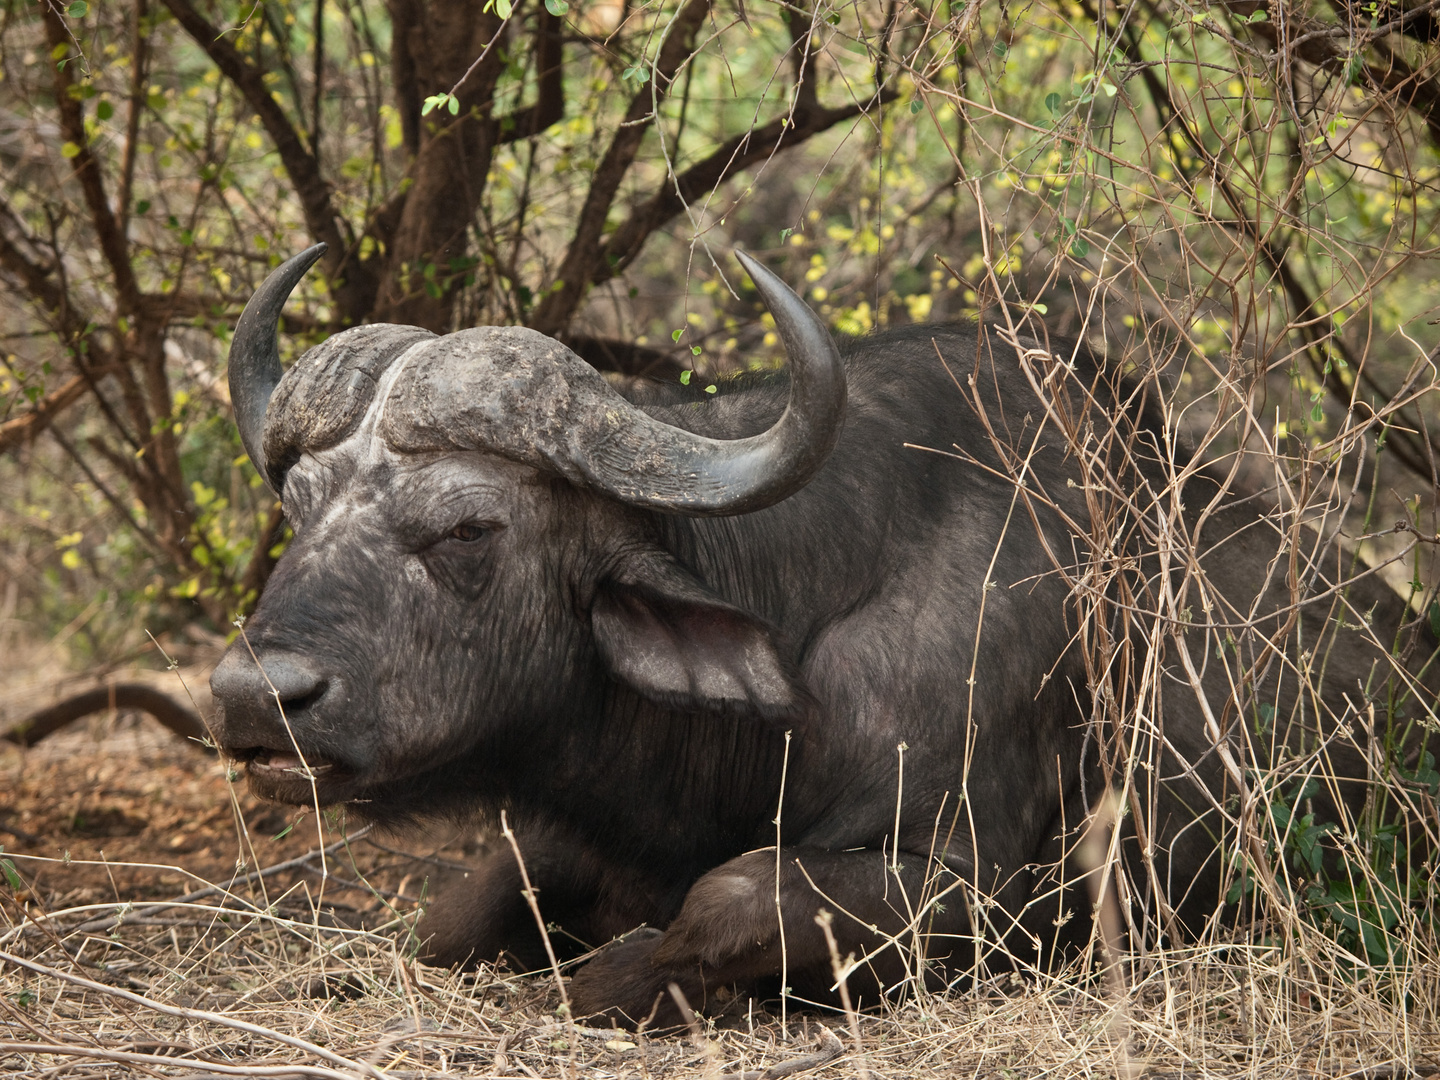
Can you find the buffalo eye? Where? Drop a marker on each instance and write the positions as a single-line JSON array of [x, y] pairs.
[[467, 534]]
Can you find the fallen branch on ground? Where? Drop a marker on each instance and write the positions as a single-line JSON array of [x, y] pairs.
[[137, 696]]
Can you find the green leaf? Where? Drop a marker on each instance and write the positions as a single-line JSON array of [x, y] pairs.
[[69, 150], [1079, 248], [711, 388], [78, 10], [435, 101], [685, 378], [694, 350], [556, 7], [915, 107], [675, 334], [1264, 717], [1435, 617], [11, 875], [1053, 102], [1001, 49], [1424, 773], [104, 110]]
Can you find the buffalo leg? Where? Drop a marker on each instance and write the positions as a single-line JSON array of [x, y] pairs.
[[728, 934], [483, 918], [583, 897]]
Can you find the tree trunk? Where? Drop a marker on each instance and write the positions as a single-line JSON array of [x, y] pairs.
[[435, 44]]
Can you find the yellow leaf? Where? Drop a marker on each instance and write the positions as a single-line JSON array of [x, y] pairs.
[[69, 150]]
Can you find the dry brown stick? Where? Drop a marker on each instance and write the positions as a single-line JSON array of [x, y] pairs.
[[218, 1068], [825, 920], [197, 1014], [160, 705], [217, 890], [530, 898], [830, 1048]]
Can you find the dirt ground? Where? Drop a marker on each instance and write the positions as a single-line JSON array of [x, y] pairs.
[[119, 809]]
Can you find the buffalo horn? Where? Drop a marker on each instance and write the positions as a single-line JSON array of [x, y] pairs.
[[255, 354], [683, 473]]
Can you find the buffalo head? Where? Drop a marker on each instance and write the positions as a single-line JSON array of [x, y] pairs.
[[475, 555]]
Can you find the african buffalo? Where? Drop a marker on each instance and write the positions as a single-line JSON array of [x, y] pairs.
[[649, 625]]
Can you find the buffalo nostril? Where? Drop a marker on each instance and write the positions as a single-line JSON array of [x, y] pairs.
[[298, 702]]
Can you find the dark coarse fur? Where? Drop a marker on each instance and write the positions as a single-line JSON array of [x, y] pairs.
[[621, 682]]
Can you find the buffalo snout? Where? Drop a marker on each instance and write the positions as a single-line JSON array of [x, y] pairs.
[[273, 705]]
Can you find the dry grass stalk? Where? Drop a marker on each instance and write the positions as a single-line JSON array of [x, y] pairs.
[[231, 987]]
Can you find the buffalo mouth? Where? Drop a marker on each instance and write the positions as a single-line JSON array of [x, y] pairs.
[[287, 776]]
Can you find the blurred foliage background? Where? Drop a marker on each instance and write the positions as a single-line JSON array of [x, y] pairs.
[[1241, 196]]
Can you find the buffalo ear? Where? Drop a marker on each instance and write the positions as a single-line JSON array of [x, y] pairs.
[[662, 632]]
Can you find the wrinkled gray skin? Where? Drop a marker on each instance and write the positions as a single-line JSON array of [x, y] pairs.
[[456, 631]]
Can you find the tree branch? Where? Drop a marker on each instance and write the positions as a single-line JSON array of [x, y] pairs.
[[1403, 444], [549, 104], [353, 284], [25, 427], [39, 279], [1332, 47], [135, 106], [454, 47], [801, 24], [87, 169], [136, 696], [404, 22], [319, 78], [584, 257], [736, 155]]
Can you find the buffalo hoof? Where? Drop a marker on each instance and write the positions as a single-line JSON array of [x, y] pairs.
[[624, 985]]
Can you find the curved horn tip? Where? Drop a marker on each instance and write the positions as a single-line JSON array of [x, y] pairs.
[[757, 270], [306, 259], [254, 354], [782, 300]]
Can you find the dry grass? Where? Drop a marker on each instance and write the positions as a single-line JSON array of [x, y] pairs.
[[231, 986], [299, 974]]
